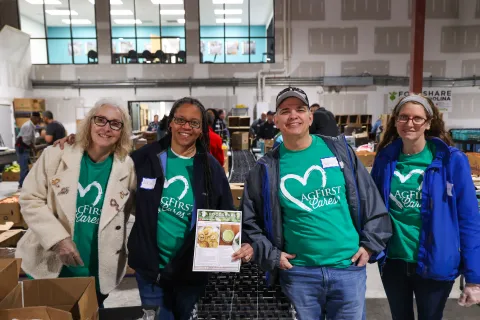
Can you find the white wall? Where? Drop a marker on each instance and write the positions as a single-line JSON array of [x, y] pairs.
[[15, 68], [38, 48]]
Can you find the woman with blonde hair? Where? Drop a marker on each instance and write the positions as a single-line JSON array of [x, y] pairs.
[[427, 187], [77, 200]]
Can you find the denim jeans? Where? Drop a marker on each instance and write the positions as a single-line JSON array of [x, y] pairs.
[[176, 301], [23, 155], [401, 281], [326, 293]]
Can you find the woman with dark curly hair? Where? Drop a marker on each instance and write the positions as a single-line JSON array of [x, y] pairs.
[[427, 187]]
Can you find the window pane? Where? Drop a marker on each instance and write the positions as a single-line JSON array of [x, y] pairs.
[[234, 50], [58, 21], [31, 19], [61, 51], [214, 49], [173, 20], [123, 26], [261, 15], [148, 13], [84, 27], [235, 17], [38, 51], [208, 25], [85, 46], [121, 47]]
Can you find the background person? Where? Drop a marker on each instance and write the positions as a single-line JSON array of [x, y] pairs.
[[76, 203], [24, 144], [54, 131], [176, 176], [427, 186], [215, 141], [268, 129], [324, 122], [298, 201], [154, 125]]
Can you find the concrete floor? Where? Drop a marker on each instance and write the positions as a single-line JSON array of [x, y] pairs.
[[377, 307]]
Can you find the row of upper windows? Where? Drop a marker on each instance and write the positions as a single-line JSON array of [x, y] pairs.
[[149, 31]]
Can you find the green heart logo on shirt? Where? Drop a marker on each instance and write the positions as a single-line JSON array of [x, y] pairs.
[[82, 192], [169, 182], [303, 180], [404, 179]]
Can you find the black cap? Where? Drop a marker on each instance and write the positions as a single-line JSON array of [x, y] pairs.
[[36, 114], [292, 92], [270, 113]]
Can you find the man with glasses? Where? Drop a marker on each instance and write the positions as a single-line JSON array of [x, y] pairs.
[[314, 216]]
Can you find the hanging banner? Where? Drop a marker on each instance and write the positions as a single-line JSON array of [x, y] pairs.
[[441, 97]]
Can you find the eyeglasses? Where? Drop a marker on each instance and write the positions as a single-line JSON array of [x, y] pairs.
[[102, 122], [418, 121], [194, 124]]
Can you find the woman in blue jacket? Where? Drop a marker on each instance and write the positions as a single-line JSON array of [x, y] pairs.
[[428, 190]]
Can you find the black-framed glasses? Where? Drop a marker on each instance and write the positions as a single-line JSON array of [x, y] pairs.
[[102, 122], [194, 124], [418, 121]]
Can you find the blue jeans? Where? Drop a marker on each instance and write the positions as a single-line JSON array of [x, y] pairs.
[[176, 301], [23, 155], [401, 281], [322, 292]]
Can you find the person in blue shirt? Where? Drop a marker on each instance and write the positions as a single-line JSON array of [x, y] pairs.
[[427, 187], [377, 125]]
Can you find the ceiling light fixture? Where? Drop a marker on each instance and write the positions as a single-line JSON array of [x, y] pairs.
[[182, 21], [167, 1], [121, 12], [62, 12], [172, 12], [76, 21], [42, 1], [227, 1], [229, 20], [112, 2], [228, 11], [127, 21]]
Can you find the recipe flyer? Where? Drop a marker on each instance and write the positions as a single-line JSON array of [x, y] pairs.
[[218, 235]]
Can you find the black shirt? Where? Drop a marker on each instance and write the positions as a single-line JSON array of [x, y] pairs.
[[267, 131], [324, 123], [56, 130]]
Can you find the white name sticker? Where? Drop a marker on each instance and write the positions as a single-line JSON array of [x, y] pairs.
[[148, 183], [329, 162]]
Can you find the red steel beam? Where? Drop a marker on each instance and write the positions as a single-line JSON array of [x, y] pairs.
[[417, 48]]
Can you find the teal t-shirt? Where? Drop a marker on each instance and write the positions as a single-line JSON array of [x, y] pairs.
[[175, 210], [317, 224], [405, 203], [92, 185]]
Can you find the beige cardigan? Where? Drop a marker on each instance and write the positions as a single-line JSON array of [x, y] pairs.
[[48, 205]]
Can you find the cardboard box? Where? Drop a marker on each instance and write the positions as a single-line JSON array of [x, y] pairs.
[[367, 158], [10, 176], [43, 313], [239, 141], [237, 193], [474, 160], [10, 212], [10, 238], [19, 122], [29, 105], [74, 295], [9, 273], [268, 145]]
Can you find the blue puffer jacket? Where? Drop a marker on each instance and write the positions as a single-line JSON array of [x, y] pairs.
[[450, 233]]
